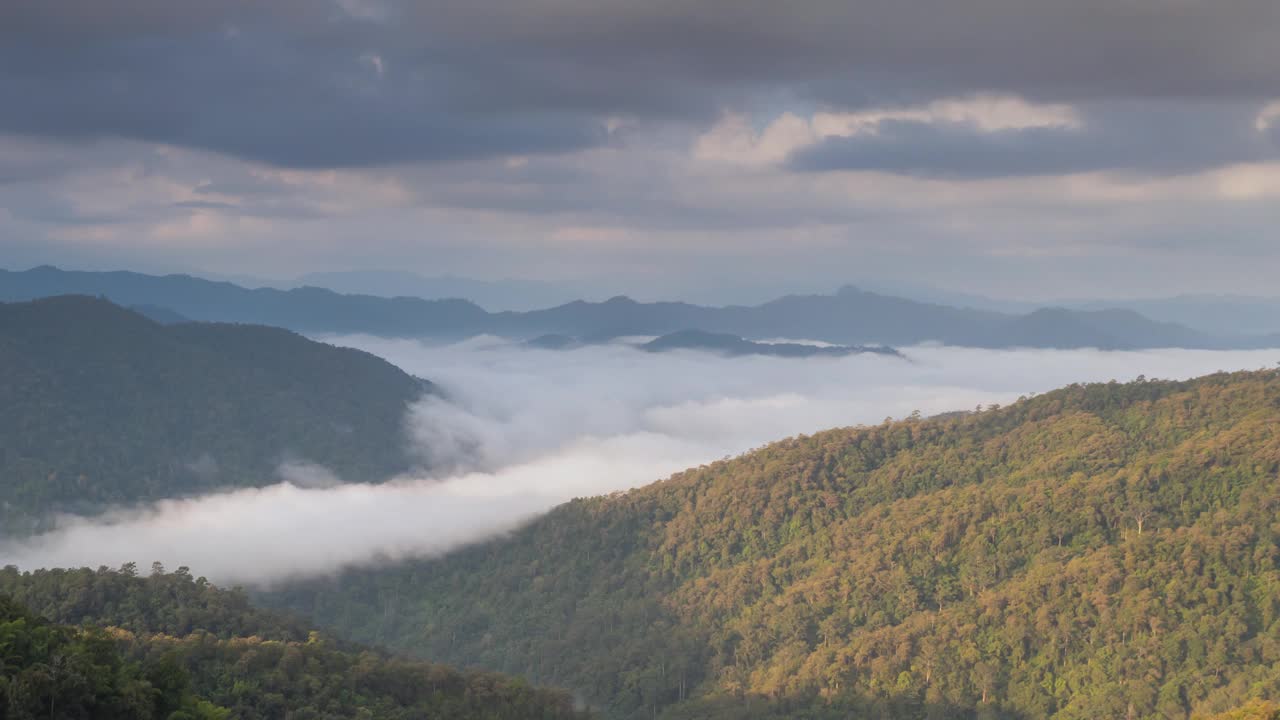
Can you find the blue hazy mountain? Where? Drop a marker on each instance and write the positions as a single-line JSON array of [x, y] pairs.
[[506, 294], [306, 309], [1211, 313], [848, 317]]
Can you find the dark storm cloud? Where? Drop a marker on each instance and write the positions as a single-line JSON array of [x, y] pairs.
[[364, 83], [258, 97], [868, 51], [1154, 138]]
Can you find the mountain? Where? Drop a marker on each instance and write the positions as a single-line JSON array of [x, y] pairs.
[[848, 317], [1106, 329], [104, 406], [733, 345], [1101, 551], [1240, 315], [553, 341], [1212, 313], [856, 317], [305, 309], [490, 294], [162, 315], [172, 647]]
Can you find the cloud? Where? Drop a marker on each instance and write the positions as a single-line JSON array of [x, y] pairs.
[[304, 93], [527, 429], [1149, 138], [734, 141], [342, 84]]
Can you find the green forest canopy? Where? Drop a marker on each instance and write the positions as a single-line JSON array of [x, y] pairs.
[[172, 647], [103, 406], [1106, 550]]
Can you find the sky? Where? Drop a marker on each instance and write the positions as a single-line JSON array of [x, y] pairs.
[[1020, 149], [526, 429]]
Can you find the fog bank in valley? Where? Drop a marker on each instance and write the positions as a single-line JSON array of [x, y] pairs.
[[520, 430]]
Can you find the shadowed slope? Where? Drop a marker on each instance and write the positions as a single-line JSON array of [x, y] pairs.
[[104, 406]]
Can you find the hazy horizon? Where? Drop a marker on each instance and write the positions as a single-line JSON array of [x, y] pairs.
[[528, 293]]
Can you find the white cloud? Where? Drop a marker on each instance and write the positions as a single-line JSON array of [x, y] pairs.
[[375, 62], [527, 429], [734, 141], [1268, 116]]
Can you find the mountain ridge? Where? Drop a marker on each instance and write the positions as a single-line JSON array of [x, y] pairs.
[[105, 406], [848, 317]]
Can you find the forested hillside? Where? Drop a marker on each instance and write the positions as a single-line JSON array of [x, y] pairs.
[[103, 406], [172, 647], [1101, 551], [52, 671], [1254, 710]]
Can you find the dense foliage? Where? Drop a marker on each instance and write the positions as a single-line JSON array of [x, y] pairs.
[[165, 603], [1100, 551], [52, 672], [104, 406], [192, 640], [1255, 710]]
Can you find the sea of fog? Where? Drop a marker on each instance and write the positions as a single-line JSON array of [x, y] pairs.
[[521, 430]]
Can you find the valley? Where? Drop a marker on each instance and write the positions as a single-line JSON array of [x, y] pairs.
[[991, 562], [622, 360]]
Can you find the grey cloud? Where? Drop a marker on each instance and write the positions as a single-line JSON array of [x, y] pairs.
[[204, 205], [639, 199], [265, 98], [287, 210], [1151, 138], [294, 83], [857, 52], [42, 208], [1272, 133]]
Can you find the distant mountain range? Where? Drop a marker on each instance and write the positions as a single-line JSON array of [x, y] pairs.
[[1217, 313], [303, 309], [848, 317], [1237, 314], [507, 294], [103, 406]]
